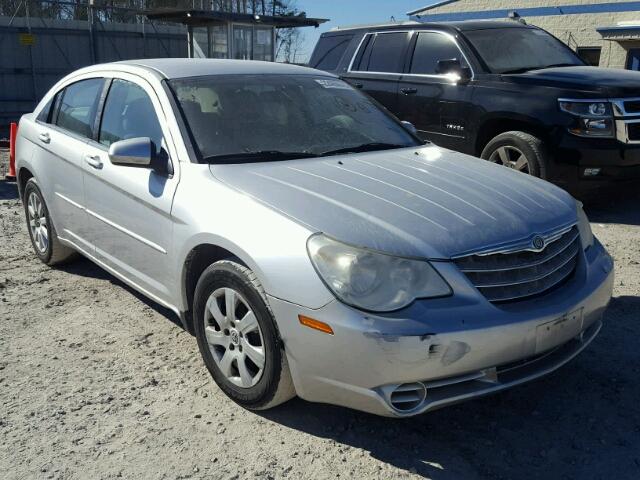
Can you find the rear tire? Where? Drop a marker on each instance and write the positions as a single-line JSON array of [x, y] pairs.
[[520, 151], [241, 348], [44, 238]]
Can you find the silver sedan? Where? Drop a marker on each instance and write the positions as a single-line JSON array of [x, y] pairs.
[[313, 244]]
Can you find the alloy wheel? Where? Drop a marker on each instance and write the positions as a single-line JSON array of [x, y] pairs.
[[38, 222], [234, 337], [510, 157]]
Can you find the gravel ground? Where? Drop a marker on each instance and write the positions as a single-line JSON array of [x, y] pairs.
[[96, 382]]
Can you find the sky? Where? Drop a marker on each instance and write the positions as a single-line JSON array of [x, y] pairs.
[[350, 12]]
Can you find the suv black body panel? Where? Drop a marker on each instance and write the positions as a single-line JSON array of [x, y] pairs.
[[466, 115]]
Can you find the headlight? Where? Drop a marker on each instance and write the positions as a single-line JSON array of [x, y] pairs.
[[370, 280], [584, 227], [592, 118]]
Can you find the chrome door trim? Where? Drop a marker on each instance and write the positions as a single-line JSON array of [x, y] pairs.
[[417, 75]]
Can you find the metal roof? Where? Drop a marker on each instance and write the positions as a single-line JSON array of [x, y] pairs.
[[196, 67], [209, 17]]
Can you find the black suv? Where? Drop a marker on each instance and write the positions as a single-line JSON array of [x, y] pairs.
[[501, 90]]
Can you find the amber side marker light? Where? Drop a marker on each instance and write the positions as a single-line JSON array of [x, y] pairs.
[[315, 324]]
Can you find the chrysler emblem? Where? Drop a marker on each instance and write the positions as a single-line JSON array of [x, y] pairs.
[[537, 242]]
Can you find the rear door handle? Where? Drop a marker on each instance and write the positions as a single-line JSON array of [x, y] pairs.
[[94, 161], [409, 91], [44, 137], [358, 85]]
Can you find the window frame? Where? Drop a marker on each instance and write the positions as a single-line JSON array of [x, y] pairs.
[[409, 52], [592, 49], [344, 39], [414, 44], [157, 108], [368, 42], [57, 100]]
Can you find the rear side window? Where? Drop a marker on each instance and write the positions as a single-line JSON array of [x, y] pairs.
[[78, 105], [329, 51], [430, 48], [382, 52], [129, 113]]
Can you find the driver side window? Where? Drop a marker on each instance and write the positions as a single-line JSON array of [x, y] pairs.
[[129, 113]]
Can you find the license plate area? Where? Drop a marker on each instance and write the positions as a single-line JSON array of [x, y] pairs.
[[558, 331]]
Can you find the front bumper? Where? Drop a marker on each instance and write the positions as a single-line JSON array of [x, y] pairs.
[[616, 162], [456, 348]]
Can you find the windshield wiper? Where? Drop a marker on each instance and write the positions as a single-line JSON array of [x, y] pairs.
[[528, 69], [557, 65], [261, 155], [365, 147]]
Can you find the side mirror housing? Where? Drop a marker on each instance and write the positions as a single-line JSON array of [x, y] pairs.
[[132, 152], [409, 127], [453, 66]]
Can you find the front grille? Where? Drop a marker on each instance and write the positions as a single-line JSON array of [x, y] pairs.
[[633, 131], [507, 277], [632, 106]]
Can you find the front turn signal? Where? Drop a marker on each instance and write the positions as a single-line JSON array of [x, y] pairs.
[[315, 324]]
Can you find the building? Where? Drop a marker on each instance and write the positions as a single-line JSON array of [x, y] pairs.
[[602, 32]]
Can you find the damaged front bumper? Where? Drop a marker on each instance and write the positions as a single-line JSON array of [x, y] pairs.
[[442, 351]]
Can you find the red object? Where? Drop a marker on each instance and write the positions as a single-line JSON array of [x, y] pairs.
[[13, 133]]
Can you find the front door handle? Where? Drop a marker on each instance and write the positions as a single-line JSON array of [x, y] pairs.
[[358, 85], [44, 137], [94, 161], [409, 91]]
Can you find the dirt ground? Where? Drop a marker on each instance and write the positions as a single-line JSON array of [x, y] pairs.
[[96, 382]]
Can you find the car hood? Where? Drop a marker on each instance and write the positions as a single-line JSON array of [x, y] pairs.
[[606, 81], [426, 202]]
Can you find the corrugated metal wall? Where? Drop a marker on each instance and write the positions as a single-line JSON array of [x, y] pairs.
[[37, 52]]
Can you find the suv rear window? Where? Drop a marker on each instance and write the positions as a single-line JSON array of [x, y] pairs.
[[329, 51], [382, 52]]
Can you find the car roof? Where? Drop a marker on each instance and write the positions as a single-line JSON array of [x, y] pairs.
[[460, 26], [170, 68]]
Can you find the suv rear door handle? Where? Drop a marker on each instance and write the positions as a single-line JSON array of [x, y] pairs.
[[44, 137], [94, 161], [409, 91]]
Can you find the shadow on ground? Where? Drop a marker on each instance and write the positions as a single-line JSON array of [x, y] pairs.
[[615, 206], [580, 422], [8, 190]]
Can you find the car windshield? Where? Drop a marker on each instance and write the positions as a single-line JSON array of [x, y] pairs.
[[235, 118], [517, 50]]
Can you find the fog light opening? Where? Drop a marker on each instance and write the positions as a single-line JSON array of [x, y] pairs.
[[592, 172], [408, 396]]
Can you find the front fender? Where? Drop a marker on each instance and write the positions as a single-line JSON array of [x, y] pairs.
[[273, 246]]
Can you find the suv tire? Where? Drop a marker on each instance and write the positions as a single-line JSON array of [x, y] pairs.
[[234, 346], [518, 150], [44, 238]]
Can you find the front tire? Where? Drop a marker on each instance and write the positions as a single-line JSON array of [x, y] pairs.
[[44, 238], [520, 151], [238, 337]]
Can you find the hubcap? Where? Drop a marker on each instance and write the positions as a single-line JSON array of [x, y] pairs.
[[510, 157], [234, 337], [37, 223]]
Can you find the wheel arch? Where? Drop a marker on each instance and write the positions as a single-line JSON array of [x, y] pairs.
[[197, 259], [24, 174], [493, 126]]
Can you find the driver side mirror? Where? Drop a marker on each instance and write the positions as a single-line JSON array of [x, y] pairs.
[[410, 127], [453, 66], [139, 152]]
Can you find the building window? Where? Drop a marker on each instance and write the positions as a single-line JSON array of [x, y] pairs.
[[591, 55], [633, 59]]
